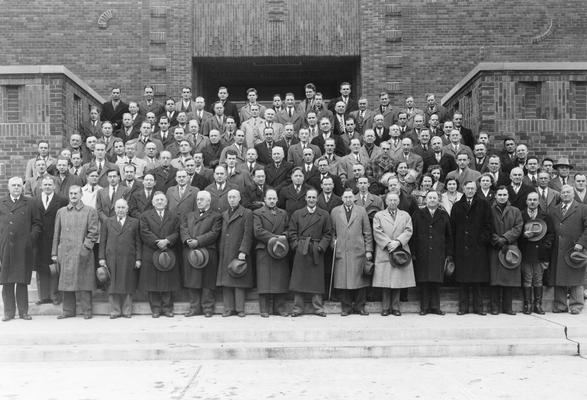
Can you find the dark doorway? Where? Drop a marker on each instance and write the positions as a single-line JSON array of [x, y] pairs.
[[274, 75]]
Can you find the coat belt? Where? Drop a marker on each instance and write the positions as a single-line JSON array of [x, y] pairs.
[[305, 243]]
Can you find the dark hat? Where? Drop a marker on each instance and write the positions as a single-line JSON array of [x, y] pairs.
[[103, 274], [535, 229], [198, 258], [510, 256], [164, 260], [368, 267], [54, 269], [278, 247], [399, 257], [563, 162], [576, 259], [237, 268]]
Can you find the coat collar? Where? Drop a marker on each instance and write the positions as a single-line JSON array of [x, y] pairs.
[[238, 212]]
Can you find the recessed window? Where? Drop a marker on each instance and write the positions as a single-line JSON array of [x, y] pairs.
[[580, 100], [530, 99], [12, 106]]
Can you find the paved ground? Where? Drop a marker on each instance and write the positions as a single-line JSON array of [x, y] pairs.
[[439, 379]]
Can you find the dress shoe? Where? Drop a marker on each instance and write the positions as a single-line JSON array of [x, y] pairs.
[[384, 313], [558, 311], [191, 313], [56, 302], [510, 312], [296, 314], [7, 318], [63, 316], [155, 315], [493, 312], [125, 315], [208, 314], [227, 313], [242, 314], [423, 312], [437, 312], [26, 317], [87, 316], [44, 301], [115, 316], [362, 312], [461, 312], [575, 312], [344, 314], [482, 313], [320, 313], [168, 314], [264, 315], [397, 313], [283, 314]]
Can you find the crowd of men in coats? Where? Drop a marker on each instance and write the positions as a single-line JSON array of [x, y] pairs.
[[298, 198]]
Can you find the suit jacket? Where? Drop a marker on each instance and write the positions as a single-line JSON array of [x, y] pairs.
[[578, 199], [479, 166], [169, 138], [411, 114], [519, 199], [155, 107], [220, 197], [419, 150], [104, 205], [191, 107], [285, 144], [552, 199], [371, 201], [253, 196], [164, 179], [414, 161], [127, 134], [332, 202], [182, 205], [141, 146], [295, 154], [199, 181], [382, 136], [467, 137], [63, 185], [253, 129], [213, 123], [88, 129], [363, 122], [450, 150], [340, 148], [290, 200], [467, 175], [278, 177], [136, 186], [351, 104], [557, 184], [316, 180], [389, 115], [502, 179], [47, 218], [245, 112], [102, 176], [338, 127], [264, 153], [230, 110], [375, 152], [241, 155], [114, 115], [297, 118], [139, 203], [239, 178]]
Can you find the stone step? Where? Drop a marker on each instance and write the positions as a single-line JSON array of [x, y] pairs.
[[280, 350]]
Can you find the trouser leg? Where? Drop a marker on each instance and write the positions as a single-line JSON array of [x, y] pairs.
[[279, 303], [576, 298], [560, 298], [360, 299], [167, 302], [85, 297], [54, 288], [264, 301], [22, 298], [239, 299], [208, 300], [155, 302], [195, 296], [346, 300], [317, 302], [424, 296], [9, 300], [434, 296], [115, 306], [68, 304], [228, 299], [495, 299], [385, 299], [464, 298], [478, 298], [508, 296], [44, 284], [126, 304], [298, 307], [395, 299]]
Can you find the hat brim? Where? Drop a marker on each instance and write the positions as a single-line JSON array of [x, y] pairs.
[[572, 263], [276, 242], [193, 258], [237, 268], [502, 260], [161, 267], [542, 232]]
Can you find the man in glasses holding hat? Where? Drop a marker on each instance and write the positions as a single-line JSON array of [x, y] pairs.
[[271, 250], [569, 258], [159, 272], [200, 230], [505, 256], [535, 244]]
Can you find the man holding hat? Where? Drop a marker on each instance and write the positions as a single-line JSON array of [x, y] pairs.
[[535, 244], [120, 253], [563, 168], [353, 247], [76, 232], [200, 230], [235, 273], [159, 272], [271, 250], [568, 261], [505, 261]]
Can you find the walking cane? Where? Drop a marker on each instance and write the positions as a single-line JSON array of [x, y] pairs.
[[332, 271]]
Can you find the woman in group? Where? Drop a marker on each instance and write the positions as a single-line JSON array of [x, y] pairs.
[[486, 190], [436, 172], [426, 182], [451, 196]]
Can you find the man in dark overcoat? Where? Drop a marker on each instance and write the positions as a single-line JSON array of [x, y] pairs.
[[47, 205], [236, 241], [471, 228], [142, 200], [292, 196], [570, 224], [309, 233], [200, 229], [219, 190], [272, 274], [120, 252], [159, 231], [432, 246], [507, 227], [535, 254], [20, 226]]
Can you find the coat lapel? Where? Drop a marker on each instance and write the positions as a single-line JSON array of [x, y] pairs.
[[570, 211]]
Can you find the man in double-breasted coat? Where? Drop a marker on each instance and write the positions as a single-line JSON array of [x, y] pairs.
[[76, 232], [219, 189], [159, 231], [353, 247], [272, 274], [47, 205], [200, 229], [120, 252], [471, 228], [236, 241], [20, 226], [432, 245], [570, 225], [291, 197], [181, 198], [309, 233], [507, 227], [392, 228]]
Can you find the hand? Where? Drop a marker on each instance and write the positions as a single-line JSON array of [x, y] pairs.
[[54, 258], [192, 243], [102, 263], [578, 247], [138, 264], [282, 237], [162, 244], [391, 246], [242, 256], [369, 256]]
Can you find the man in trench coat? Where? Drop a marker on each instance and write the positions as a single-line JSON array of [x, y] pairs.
[[507, 227], [272, 274], [120, 252], [200, 229], [392, 228], [570, 224], [76, 232], [432, 246], [20, 226], [353, 247], [236, 241], [309, 234], [471, 229]]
